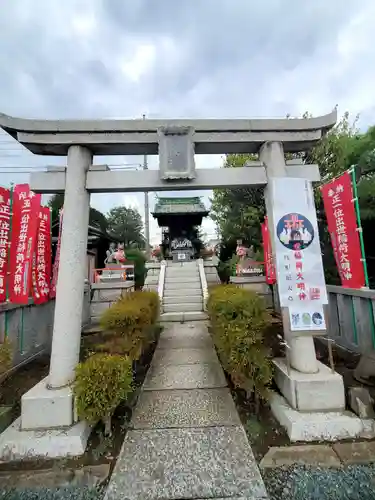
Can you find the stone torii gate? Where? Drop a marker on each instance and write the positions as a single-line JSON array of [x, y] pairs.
[[49, 405]]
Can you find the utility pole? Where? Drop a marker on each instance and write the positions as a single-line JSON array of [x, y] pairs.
[[147, 215]]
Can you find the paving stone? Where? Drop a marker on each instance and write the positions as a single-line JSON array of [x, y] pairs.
[[185, 408], [316, 455], [214, 462], [179, 329], [186, 341], [355, 453], [184, 356], [202, 376]]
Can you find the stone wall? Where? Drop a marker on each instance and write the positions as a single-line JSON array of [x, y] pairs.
[[210, 271]]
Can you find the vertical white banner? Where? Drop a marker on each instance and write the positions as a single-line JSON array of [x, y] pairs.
[[299, 266]]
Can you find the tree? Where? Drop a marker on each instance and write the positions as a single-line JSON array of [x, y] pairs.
[[238, 212], [96, 218], [126, 225]]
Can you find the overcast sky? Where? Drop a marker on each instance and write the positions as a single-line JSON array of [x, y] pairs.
[[185, 58]]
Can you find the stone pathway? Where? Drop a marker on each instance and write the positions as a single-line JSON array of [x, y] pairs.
[[186, 441]]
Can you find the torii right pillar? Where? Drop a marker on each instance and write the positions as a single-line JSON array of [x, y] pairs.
[[312, 405]]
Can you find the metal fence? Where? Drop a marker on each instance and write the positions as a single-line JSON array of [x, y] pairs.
[[351, 318], [29, 328]]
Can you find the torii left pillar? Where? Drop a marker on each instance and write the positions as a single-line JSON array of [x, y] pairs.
[[48, 408]]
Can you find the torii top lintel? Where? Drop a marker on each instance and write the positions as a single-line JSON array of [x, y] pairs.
[[133, 137]]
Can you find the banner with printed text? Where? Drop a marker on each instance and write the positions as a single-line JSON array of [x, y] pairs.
[[25, 209], [41, 272], [299, 266], [4, 239], [267, 252], [56, 264], [342, 227]]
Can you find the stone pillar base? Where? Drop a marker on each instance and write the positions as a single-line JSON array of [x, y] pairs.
[[47, 427], [321, 391], [43, 408], [17, 444], [320, 426]]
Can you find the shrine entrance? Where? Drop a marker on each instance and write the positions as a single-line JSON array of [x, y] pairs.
[[50, 403], [180, 220]]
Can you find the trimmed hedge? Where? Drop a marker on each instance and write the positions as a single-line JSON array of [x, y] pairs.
[[138, 258], [102, 382], [105, 378], [238, 323], [129, 324]]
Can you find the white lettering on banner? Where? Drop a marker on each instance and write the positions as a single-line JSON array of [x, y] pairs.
[[341, 235], [23, 243], [4, 241], [299, 266], [40, 279]]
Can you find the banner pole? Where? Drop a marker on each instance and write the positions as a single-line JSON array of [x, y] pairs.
[[362, 244], [359, 226]]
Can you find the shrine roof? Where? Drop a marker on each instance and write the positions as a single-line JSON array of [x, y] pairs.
[[179, 206]]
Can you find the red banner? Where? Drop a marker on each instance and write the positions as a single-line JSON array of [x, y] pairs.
[[56, 264], [25, 209], [4, 239], [342, 227], [267, 251], [41, 274]]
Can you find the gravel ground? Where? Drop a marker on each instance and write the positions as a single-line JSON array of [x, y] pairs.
[[67, 493], [306, 483]]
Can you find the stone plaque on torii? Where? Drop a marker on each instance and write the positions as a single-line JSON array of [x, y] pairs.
[[176, 142]]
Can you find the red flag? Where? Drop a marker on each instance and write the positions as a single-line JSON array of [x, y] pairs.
[[267, 251], [342, 227], [56, 264], [4, 239], [41, 274], [25, 209]]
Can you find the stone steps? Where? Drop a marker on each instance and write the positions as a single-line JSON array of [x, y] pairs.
[[189, 298], [182, 279], [183, 307], [175, 285], [181, 317], [182, 292]]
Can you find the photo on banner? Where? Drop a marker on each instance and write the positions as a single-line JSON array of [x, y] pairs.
[[299, 266], [342, 227], [25, 209]]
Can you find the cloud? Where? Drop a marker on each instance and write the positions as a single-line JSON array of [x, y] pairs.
[[217, 58]]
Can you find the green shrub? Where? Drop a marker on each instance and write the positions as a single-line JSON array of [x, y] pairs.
[[102, 382], [148, 297], [6, 356], [137, 257], [129, 324], [239, 320]]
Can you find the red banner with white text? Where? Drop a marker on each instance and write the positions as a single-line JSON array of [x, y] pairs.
[[55, 272], [41, 273], [342, 227], [4, 239], [267, 251], [25, 209]]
